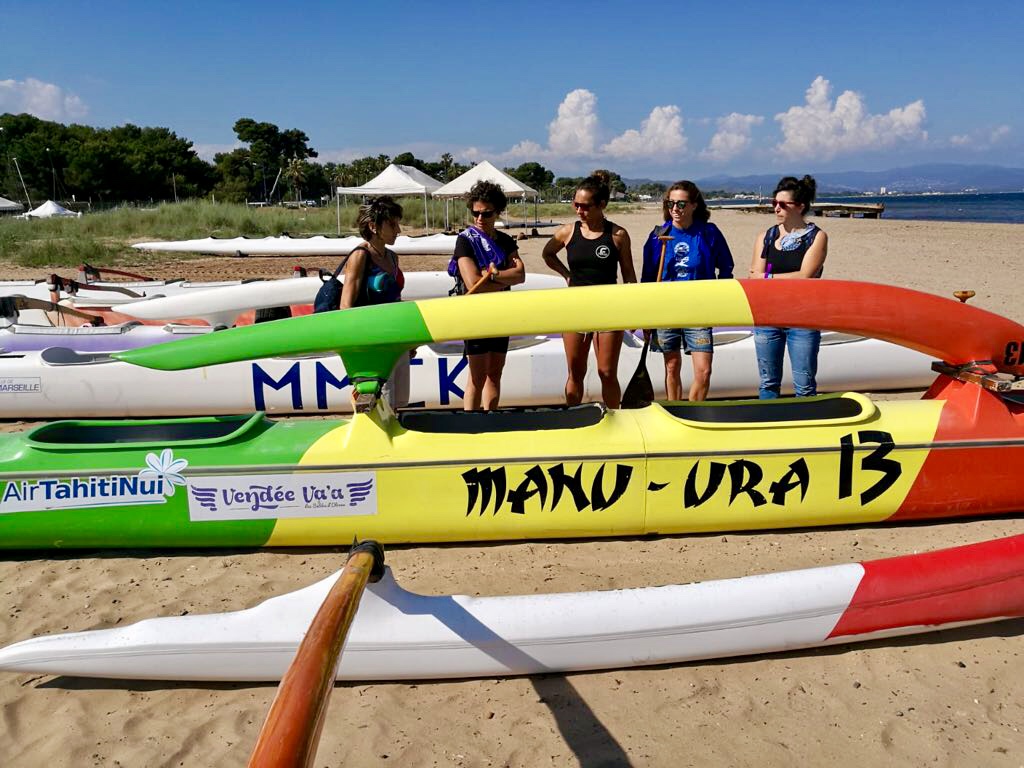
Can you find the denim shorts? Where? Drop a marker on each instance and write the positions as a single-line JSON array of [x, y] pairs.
[[687, 339]]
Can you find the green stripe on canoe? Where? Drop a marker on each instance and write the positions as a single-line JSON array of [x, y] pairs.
[[369, 340], [257, 441]]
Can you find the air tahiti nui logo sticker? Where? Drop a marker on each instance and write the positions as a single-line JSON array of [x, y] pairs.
[[153, 485]]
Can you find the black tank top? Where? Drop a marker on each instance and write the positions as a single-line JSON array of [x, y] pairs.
[[783, 262], [593, 262]]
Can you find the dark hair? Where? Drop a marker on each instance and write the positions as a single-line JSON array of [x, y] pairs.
[[376, 211], [487, 192], [598, 184], [700, 208], [803, 189]]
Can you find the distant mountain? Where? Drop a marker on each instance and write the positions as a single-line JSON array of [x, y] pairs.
[[934, 177]]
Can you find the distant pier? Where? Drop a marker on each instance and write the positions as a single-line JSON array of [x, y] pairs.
[[845, 210]]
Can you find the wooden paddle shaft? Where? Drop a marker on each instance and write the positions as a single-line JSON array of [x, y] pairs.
[[291, 731], [491, 270]]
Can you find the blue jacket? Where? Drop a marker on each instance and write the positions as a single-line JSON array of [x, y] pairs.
[[713, 260]]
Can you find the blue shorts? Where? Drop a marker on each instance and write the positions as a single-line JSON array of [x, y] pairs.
[[687, 339]]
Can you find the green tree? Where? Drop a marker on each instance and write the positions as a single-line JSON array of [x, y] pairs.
[[534, 174]]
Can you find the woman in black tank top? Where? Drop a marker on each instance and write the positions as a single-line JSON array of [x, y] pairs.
[[597, 250]]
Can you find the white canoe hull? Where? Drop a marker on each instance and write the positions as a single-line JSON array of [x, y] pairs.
[[318, 245], [399, 635], [59, 383]]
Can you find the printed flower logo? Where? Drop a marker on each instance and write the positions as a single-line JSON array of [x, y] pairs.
[[165, 468]]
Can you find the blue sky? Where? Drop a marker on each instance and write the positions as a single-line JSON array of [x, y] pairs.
[[664, 89]]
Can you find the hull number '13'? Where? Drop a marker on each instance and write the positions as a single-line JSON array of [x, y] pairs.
[[488, 487]]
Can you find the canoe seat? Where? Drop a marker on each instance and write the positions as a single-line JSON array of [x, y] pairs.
[[511, 420], [795, 409], [86, 434]]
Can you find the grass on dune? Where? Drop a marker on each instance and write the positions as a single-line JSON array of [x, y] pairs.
[[103, 238]]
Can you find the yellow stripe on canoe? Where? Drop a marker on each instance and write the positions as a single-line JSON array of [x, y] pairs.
[[534, 312]]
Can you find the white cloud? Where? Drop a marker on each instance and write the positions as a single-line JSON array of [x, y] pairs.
[[732, 137], [44, 100], [999, 133], [821, 129], [574, 130], [207, 151], [960, 140], [661, 133]]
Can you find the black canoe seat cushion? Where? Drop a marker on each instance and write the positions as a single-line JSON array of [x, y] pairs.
[[768, 411], [72, 433], [512, 420]]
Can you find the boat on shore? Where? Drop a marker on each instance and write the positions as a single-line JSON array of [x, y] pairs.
[[71, 374], [538, 473], [401, 635], [285, 245]]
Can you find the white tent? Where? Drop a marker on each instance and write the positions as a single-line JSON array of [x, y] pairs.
[[48, 210], [398, 180], [9, 206], [483, 171]]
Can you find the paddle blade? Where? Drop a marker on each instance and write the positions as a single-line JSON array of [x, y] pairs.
[[640, 390]]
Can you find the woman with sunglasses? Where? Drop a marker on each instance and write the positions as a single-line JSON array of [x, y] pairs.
[[481, 251], [596, 251], [697, 250], [792, 249]]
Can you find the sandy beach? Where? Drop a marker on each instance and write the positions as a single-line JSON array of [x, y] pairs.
[[951, 698]]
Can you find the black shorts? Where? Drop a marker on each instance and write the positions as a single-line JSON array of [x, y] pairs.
[[483, 346]]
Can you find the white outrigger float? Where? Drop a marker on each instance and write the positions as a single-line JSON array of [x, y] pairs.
[[400, 635]]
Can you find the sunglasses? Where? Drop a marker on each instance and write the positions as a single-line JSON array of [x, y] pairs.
[[783, 203], [483, 214], [582, 206], [680, 204]]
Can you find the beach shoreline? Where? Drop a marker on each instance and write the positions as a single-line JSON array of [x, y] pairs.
[[950, 698]]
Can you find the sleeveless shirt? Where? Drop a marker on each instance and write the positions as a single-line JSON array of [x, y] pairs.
[[592, 262]]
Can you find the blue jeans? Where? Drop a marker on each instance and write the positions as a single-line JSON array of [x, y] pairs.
[[771, 345]]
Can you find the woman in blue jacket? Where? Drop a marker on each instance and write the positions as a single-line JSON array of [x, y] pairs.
[[697, 251]]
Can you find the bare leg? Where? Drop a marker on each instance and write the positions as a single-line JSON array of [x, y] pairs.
[[608, 346], [475, 382], [701, 375], [495, 364], [673, 381], [577, 349]]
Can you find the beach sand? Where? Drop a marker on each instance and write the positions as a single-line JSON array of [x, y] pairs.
[[950, 698]]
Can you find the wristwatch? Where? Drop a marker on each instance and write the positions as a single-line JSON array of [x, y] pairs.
[[494, 277]]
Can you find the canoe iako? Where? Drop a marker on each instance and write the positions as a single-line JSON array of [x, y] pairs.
[[561, 472]]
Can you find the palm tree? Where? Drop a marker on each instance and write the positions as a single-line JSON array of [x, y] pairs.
[[295, 172]]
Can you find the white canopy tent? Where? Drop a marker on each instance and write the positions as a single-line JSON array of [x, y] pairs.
[[398, 180], [49, 210], [483, 171], [9, 206]]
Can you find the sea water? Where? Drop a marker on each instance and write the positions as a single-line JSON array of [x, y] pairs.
[[1005, 207]]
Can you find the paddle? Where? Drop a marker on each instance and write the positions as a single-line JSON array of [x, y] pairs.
[[89, 273], [640, 390], [491, 270], [291, 731]]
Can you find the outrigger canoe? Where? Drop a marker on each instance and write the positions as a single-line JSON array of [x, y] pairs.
[[421, 476], [400, 635], [285, 245], [74, 376]]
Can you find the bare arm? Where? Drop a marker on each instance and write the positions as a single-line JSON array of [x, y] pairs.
[[757, 264], [354, 270], [812, 262], [514, 274], [553, 246], [621, 239]]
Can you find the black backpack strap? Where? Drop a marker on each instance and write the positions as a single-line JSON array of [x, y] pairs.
[[769, 237]]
